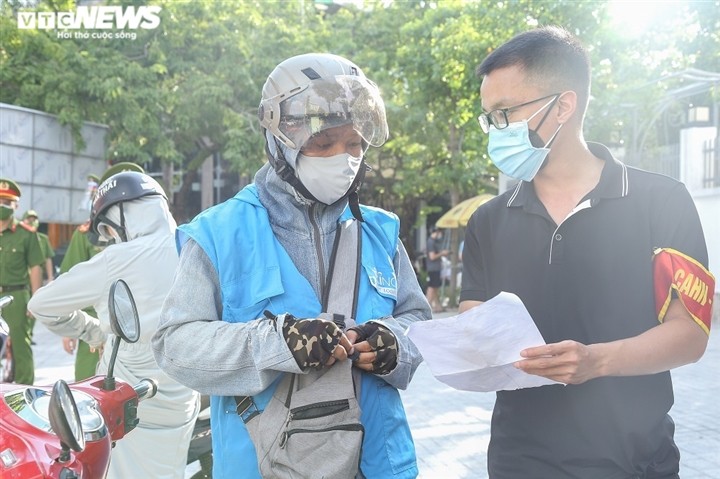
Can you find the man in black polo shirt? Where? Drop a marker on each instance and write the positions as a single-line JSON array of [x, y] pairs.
[[575, 241]]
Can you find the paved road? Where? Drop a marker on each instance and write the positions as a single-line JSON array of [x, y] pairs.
[[452, 428]]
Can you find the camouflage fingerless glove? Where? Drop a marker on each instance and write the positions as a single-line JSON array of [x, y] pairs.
[[311, 341], [383, 342]]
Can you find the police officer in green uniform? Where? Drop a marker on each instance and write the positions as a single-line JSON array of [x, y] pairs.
[[32, 219], [20, 259], [82, 248]]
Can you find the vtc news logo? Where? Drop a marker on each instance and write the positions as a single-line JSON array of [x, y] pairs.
[[91, 18]]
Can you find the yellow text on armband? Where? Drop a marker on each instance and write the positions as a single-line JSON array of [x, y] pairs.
[[691, 286]]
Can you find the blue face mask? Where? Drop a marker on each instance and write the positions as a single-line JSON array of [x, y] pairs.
[[512, 151]]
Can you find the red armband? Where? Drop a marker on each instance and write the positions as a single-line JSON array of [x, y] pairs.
[[693, 283]]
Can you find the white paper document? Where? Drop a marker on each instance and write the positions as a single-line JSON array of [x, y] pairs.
[[475, 350]]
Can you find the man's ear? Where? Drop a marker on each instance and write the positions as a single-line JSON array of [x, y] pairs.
[[567, 106]]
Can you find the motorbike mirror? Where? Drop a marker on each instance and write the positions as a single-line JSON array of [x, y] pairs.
[[65, 419], [124, 322], [124, 319]]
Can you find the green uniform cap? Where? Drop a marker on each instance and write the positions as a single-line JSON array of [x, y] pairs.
[[9, 189], [30, 213], [120, 167]]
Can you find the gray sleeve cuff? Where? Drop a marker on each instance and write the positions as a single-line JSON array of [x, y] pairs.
[[409, 357], [281, 358]]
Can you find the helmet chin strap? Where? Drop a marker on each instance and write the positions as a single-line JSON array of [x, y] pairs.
[[352, 194], [287, 174], [285, 171]]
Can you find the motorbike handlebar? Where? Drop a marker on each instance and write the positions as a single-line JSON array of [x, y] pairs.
[[5, 300], [146, 389]]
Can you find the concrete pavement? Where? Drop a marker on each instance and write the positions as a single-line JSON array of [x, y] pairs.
[[452, 428]]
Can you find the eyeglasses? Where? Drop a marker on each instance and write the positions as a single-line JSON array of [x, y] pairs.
[[499, 118]]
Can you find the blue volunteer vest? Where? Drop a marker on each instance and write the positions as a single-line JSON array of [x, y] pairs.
[[264, 277]]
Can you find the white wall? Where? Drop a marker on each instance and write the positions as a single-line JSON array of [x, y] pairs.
[[692, 157], [38, 153]]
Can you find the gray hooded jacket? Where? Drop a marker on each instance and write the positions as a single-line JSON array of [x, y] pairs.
[[195, 346]]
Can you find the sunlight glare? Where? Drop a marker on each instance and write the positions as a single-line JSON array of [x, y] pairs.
[[631, 18]]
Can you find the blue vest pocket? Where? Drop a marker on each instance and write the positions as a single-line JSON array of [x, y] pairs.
[[251, 293]]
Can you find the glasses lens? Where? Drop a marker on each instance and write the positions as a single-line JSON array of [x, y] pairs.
[[499, 119], [483, 120]]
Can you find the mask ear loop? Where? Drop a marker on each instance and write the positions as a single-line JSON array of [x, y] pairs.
[[552, 138], [549, 104]]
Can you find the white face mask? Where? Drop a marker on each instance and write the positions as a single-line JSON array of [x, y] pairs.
[[327, 178]]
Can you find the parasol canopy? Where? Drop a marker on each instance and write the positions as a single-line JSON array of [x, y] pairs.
[[459, 215]]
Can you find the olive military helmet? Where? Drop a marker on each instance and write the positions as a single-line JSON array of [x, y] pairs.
[[309, 93], [119, 168], [117, 189]]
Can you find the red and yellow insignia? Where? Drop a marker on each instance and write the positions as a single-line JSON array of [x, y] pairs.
[[9, 189], [693, 283]]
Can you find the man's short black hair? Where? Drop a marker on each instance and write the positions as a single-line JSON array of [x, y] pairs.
[[553, 58]]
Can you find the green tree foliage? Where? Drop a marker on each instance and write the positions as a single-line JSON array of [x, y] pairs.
[[190, 88], [635, 68]]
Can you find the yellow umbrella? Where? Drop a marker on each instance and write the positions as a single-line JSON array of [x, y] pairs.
[[459, 215]]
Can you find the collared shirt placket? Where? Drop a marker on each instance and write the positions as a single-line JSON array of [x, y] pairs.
[[557, 235]]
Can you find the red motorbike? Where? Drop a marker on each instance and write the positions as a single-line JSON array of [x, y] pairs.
[[67, 431]]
